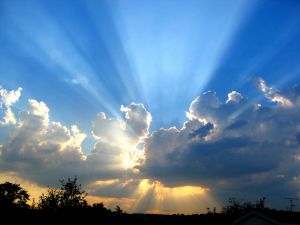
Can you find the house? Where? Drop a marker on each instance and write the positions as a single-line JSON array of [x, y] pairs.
[[255, 218]]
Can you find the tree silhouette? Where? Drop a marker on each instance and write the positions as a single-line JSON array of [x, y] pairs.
[[51, 200], [70, 195], [13, 196], [118, 210], [100, 208], [238, 207]]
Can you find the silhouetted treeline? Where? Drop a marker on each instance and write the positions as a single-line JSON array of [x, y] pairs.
[[68, 205]]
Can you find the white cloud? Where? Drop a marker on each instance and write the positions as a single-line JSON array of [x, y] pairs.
[[229, 147], [39, 144], [234, 97], [273, 94], [8, 98], [138, 119], [9, 117], [203, 106], [118, 141]]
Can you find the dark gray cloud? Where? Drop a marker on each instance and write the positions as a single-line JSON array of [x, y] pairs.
[[250, 148], [234, 147]]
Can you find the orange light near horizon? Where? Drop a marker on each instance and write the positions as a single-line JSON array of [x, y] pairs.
[[154, 197], [149, 196], [34, 190]]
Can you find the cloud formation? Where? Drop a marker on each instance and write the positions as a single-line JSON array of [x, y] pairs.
[[118, 142], [273, 94], [242, 144], [39, 146], [225, 148], [8, 98]]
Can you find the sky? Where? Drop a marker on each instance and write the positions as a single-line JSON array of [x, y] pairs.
[[160, 106]]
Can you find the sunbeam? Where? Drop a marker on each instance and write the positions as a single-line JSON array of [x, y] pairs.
[[164, 52], [154, 197], [159, 106]]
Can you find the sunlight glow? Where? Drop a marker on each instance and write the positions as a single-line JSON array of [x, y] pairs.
[[154, 197], [133, 158], [161, 56], [33, 189], [106, 182]]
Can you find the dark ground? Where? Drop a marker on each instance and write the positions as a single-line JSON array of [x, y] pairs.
[[92, 216]]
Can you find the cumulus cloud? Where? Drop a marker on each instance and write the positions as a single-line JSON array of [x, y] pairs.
[[137, 119], [203, 106], [119, 141], [225, 148], [243, 144], [134, 126], [8, 98], [39, 144], [234, 97], [9, 117]]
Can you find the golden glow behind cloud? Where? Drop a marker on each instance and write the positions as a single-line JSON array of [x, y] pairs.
[[212, 147], [149, 196], [154, 197], [164, 200], [34, 190]]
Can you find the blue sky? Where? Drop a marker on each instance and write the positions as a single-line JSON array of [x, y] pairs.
[[84, 57], [97, 55]]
